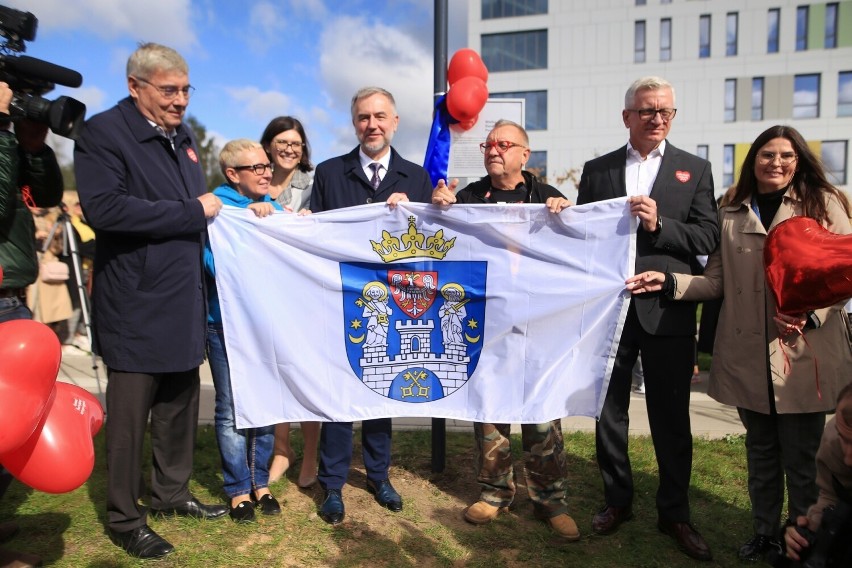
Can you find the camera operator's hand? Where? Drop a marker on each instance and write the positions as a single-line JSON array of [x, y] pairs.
[[31, 135], [796, 542], [5, 98]]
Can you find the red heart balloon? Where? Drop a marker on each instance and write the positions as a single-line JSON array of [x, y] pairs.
[[29, 361], [466, 63], [60, 455], [466, 99], [807, 266]]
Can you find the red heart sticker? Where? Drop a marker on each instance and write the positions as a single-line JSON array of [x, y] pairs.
[[683, 176], [192, 155]]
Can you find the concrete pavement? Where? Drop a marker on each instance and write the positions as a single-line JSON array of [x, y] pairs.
[[709, 418]]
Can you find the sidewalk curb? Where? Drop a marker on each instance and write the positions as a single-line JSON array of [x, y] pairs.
[[709, 418]]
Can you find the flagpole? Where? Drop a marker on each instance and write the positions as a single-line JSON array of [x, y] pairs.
[[439, 425]]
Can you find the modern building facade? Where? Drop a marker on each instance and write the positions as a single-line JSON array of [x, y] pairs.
[[737, 67]]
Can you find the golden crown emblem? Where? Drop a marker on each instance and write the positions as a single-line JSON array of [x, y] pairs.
[[412, 244]]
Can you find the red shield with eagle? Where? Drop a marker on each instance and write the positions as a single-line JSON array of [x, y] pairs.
[[413, 292]]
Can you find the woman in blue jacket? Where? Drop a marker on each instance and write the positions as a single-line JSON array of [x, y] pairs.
[[245, 452]]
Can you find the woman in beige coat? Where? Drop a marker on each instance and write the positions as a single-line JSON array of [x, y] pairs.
[[773, 386]]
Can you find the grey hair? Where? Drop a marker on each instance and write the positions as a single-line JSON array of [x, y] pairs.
[[507, 122], [646, 83], [152, 57], [365, 92]]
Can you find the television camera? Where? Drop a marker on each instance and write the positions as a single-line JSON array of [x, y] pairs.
[[29, 78]]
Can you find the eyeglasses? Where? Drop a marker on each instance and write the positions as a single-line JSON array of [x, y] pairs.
[[285, 145], [258, 169], [169, 91], [502, 146], [766, 158], [649, 113]]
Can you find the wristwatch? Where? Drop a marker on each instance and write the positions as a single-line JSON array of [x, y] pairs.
[[659, 226]]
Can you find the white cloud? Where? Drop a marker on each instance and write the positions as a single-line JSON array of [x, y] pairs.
[[266, 25], [356, 53], [314, 9], [260, 105], [94, 98], [164, 21]]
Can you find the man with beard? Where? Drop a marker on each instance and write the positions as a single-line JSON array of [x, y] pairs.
[[371, 173]]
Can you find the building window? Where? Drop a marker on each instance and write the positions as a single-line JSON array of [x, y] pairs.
[[510, 8], [806, 96], [844, 93], [731, 25], [773, 25], [535, 109], [831, 25], [728, 165], [639, 42], [730, 100], [801, 28], [704, 36], [641, 2], [537, 164], [757, 98], [833, 156], [515, 51], [666, 39], [702, 151]]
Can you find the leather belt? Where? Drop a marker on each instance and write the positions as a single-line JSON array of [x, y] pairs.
[[13, 292]]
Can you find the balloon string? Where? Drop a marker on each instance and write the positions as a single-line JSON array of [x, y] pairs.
[[788, 367]]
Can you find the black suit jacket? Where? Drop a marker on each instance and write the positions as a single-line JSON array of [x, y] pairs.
[[683, 191], [341, 182]]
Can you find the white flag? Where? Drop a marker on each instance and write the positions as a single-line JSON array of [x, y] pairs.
[[490, 313]]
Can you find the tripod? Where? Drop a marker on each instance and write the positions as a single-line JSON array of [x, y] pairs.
[[70, 248]]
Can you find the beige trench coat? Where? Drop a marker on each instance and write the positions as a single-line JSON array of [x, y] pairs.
[[747, 332]]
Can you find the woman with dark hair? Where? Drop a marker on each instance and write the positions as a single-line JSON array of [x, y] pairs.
[[782, 372], [286, 144]]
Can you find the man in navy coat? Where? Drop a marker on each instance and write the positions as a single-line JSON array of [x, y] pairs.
[[371, 173], [671, 193], [143, 191]]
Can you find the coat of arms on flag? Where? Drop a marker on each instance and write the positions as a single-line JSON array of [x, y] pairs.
[[414, 329]]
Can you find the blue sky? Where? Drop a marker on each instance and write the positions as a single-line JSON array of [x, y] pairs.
[[253, 60]]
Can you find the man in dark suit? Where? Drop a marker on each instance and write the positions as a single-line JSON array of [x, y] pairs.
[[371, 173], [671, 193], [143, 191]]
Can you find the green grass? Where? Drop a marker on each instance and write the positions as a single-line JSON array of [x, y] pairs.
[[68, 530]]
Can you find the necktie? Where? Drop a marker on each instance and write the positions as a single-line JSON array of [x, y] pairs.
[[375, 180]]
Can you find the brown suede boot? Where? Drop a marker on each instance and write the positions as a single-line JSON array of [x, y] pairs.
[[482, 513]]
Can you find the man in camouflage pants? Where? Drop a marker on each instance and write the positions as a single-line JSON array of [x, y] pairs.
[[506, 150]]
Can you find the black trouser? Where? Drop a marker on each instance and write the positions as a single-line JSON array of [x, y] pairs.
[[667, 363], [172, 401]]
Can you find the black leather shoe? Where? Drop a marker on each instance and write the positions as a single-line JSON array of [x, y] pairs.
[[688, 540], [608, 519], [269, 505], [386, 495], [141, 542], [758, 547], [243, 512], [192, 508], [332, 510]]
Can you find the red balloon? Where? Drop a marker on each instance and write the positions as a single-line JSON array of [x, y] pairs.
[[464, 126], [807, 266], [466, 63], [60, 455], [466, 99], [29, 361]]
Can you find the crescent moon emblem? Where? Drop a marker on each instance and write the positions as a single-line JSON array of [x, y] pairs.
[[357, 339], [471, 339]]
